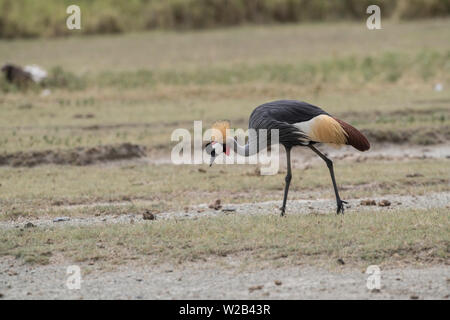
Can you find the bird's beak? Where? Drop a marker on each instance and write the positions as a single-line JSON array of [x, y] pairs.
[[211, 161]]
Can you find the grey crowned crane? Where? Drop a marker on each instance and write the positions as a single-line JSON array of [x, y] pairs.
[[299, 124]]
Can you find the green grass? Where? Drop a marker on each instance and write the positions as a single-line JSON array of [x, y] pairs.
[[413, 236], [389, 67], [188, 51]]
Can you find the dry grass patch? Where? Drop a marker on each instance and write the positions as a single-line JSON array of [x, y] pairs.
[[47, 190], [414, 236]]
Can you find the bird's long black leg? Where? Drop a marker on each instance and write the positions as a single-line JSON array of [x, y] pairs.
[[340, 203], [287, 179]]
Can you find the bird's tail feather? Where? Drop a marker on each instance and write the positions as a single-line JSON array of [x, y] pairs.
[[354, 137]]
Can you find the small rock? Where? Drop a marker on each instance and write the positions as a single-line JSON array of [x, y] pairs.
[[278, 282], [368, 202], [375, 290], [148, 216], [414, 297], [414, 175], [46, 92], [341, 261], [60, 219], [1, 295], [254, 288], [384, 203], [229, 209], [29, 225], [84, 116], [215, 205], [201, 170], [438, 87]]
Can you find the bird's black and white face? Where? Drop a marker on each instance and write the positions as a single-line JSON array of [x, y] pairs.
[[214, 149]]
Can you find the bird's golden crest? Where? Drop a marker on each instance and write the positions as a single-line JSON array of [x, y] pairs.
[[219, 131], [327, 130]]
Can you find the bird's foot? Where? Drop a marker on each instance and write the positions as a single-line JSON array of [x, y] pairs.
[[340, 206], [282, 209]]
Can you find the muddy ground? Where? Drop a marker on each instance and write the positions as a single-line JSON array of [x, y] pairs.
[[105, 154], [78, 156]]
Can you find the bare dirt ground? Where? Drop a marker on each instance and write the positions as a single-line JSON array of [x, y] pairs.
[[317, 206], [206, 281]]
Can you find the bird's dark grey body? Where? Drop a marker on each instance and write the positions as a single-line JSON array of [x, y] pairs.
[[281, 115]]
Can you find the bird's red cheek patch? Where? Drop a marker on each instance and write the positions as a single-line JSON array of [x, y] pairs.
[[227, 150]]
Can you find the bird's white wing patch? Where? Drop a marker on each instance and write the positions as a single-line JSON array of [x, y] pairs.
[[305, 127]]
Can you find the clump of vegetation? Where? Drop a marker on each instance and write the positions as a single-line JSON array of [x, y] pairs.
[[60, 78], [28, 18], [6, 86]]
